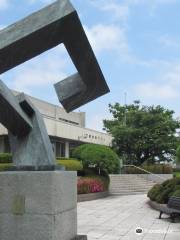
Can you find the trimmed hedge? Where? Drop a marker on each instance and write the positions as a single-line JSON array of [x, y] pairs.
[[5, 166], [71, 164], [162, 192], [156, 168], [178, 154], [64, 158], [5, 158], [101, 157], [177, 174], [176, 193], [92, 184]]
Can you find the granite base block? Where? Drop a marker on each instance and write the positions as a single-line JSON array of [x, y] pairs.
[[38, 205], [80, 237]]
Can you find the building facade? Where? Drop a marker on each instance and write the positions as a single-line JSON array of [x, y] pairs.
[[66, 130]]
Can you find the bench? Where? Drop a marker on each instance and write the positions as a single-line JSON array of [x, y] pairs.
[[172, 208]]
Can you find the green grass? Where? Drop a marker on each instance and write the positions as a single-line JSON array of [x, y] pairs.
[[177, 174]]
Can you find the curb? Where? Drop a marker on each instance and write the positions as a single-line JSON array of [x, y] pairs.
[[91, 196], [155, 205]]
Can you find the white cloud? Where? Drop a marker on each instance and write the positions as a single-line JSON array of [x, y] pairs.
[[166, 87], [150, 2], [121, 10], [117, 11], [107, 38], [43, 1], [173, 76], [95, 121], [168, 41], [41, 71], [156, 91], [2, 27], [4, 4]]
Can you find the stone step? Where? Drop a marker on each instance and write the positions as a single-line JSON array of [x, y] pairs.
[[124, 187], [133, 183], [131, 180], [129, 184], [128, 190], [127, 193]]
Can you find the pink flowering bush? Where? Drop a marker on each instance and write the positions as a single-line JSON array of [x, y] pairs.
[[91, 185]]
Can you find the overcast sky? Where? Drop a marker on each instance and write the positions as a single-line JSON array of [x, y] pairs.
[[137, 44]]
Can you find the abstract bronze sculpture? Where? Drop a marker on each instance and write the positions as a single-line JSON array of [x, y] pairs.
[[29, 141], [55, 24]]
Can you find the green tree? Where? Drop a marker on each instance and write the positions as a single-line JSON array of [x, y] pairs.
[[143, 134], [101, 157], [178, 155]]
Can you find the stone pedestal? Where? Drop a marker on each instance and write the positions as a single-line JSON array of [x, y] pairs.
[[38, 205]]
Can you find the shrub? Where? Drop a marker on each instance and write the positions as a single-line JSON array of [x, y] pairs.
[[64, 158], [5, 158], [177, 173], [71, 164], [162, 192], [92, 184], [154, 191], [5, 166], [155, 168], [164, 195], [176, 193], [101, 157], [178, 155]]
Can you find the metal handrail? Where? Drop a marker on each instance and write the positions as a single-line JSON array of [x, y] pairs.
[[131, 165]]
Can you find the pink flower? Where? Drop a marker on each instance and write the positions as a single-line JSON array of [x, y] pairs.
[[89, 185]]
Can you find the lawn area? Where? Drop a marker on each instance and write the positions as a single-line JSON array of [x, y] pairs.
[[177, 174]]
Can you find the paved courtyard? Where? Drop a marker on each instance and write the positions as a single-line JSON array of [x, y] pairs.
[[117, 217]]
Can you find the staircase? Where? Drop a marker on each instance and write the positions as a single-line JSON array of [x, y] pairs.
[[128, 184]]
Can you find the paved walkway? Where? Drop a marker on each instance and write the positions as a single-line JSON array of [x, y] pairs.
[[115, 218]]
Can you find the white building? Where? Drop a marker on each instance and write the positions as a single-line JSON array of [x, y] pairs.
[[66, 130]]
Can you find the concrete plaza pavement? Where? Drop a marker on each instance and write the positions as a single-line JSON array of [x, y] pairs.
[[118, 217]]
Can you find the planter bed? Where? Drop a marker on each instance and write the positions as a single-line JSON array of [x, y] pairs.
[[155, 205], [91, 196]]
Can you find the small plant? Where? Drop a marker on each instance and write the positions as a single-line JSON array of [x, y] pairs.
[[5, 158], [5, 166], [100, 157], [178, 155], [71, 164], [155, 168], [92, 184], [176, 193], [162, 192], [154, 191]]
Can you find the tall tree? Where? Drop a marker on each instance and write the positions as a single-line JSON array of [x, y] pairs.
[[143, 133]]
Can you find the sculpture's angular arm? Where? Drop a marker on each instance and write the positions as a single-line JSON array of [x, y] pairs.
[[90, 82], [45, 29], [11, 114], [33, 35]]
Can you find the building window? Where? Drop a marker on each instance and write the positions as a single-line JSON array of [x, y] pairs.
[[58, 149], [68, 121], [62, 149]]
